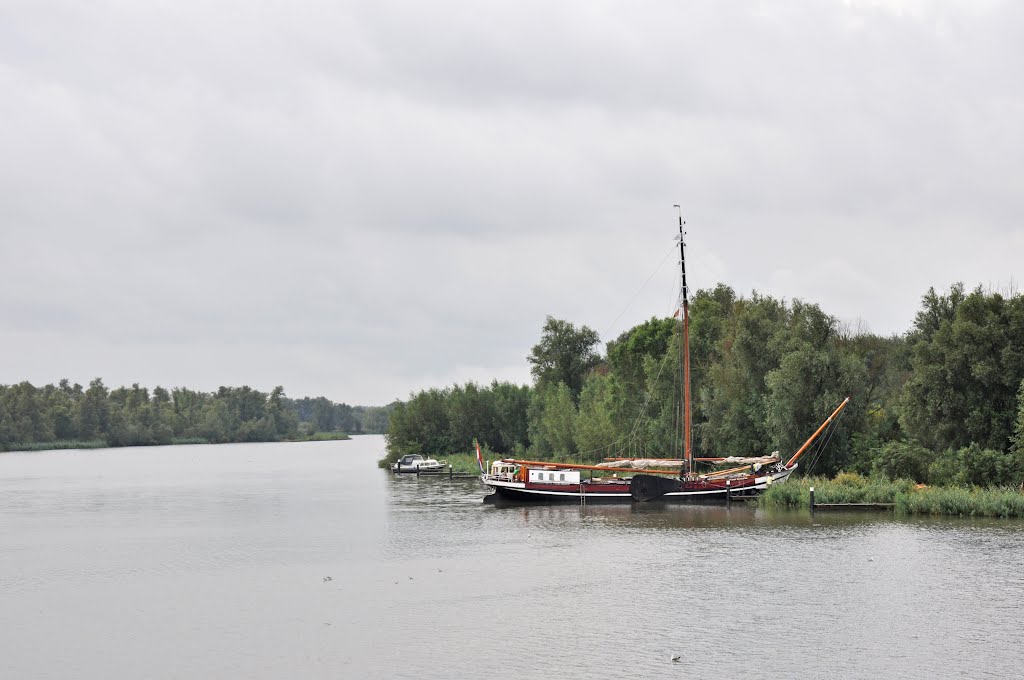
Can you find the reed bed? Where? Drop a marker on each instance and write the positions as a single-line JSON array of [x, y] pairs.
[[50, 446], [324, 437], [964, 501], [845, 488], [462, 462], [904, 494]]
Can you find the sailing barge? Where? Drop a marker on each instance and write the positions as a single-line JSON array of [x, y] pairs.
[[548, 482], [640, 480]]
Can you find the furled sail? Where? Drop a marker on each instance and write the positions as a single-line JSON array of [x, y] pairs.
[[645, 463]]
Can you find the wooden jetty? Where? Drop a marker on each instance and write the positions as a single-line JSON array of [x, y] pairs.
[[449, 473]]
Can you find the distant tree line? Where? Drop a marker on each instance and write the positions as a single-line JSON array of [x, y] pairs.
[[941, 403], [68, 414]]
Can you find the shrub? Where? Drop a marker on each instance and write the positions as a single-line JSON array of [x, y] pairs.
[[902, 460], [985, 467]]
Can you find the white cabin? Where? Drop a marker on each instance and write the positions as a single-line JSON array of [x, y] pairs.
[[503, 470], [555, 477]]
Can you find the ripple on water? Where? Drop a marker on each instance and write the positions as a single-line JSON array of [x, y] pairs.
[[210, 561]]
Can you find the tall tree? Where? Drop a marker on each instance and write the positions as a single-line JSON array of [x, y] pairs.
[[968, 360], [564, 355], [553, 421], [595, 424], [733, 397]]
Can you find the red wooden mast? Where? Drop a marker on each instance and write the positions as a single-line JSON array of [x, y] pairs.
[[687, 444]]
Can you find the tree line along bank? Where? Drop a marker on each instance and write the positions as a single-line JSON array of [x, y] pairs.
[[68, 415]]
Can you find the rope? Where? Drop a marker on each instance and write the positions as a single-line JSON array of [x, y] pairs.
[[632, 437], [829, 431], [640, 290]]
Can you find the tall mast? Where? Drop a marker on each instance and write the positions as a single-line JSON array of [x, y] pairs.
[[687, 447]]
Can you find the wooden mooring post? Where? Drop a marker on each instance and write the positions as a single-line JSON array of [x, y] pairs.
[[812, 500], [728, 492], [450, 473]]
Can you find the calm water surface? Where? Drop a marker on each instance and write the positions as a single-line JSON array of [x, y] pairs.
[[209, 561]]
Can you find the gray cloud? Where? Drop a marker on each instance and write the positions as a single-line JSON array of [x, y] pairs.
[[362, 199]]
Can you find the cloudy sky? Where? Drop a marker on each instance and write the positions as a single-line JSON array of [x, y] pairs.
[[361, 199]]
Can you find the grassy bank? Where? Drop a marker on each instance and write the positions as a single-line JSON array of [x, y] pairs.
[[50, 446], [464, 462], [968, 502], [908, 499], [176, 441], [324, 437]]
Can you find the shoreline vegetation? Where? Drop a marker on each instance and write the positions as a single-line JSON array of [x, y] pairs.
[[908, 497], [66, 416], [941, 404], [175, 441]]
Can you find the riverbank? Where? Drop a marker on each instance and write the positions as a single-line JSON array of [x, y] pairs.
[[177, 441], [323, 437], [907, 497]]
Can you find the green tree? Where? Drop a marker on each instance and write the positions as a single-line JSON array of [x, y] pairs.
[[986, 467], [903, 460], [511, 405], [552, 421], [217, 424], [734, 396], [967, 358], [564, 355], [281, 421], [595, 426], [1017, 441], [420, 425], [813, 377], [92, 412], [375, 419], [626, 354], [471, 414]]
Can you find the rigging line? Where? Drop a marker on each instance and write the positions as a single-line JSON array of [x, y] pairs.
[[621, 439], [625, 438], [650, 393], [832, 428], [642, 416], [832, 431], [637, 293], [816, 451], [675, 295]]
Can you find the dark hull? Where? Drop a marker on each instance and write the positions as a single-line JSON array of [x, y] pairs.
[[606, 496], [513, 496], [698, 491]]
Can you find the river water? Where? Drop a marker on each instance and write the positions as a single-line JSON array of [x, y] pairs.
[[210, 562]]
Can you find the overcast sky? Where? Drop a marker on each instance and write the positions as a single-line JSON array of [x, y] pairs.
[[362, 199]]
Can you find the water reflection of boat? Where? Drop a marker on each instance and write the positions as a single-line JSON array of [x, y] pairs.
[[634, 479]]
